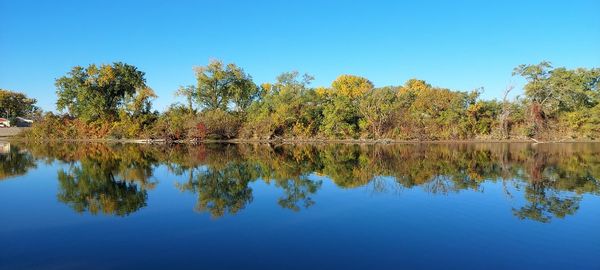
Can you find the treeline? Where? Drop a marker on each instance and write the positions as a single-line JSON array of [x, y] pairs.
[[547, 180], [113, 101]]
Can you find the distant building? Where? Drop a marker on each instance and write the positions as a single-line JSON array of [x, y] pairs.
[[4, 122]]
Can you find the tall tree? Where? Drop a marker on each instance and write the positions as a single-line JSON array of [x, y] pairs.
[[551, 92], [377, 109], [287, 108], [189, 93], [13, 104], [98, 91], [221, 86]]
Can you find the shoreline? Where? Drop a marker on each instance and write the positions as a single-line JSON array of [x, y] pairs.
[[297, 141]]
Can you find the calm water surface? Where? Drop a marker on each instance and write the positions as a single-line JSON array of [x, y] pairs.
[[425, 206]]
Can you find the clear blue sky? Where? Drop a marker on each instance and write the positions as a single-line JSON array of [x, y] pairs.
[[457, 44]]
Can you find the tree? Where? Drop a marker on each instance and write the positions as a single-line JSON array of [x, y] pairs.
[[560, 89], [98, 91], [340, 118], [377, 109], [414, 86], [351, 86], [504, 116], [14, 104], [290, 82], [189, 93], [340, 109], [575, 89], [141, 103], [15, 162], [551, 92], [439, 113], [220, 86], [222, 190], [536, 75], [287, 108], [173, 124], [94, 186]]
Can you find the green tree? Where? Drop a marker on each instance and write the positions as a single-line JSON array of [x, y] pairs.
[[340, 109], [340, 118], [560, 89], [553, 92], [95, 186], [189, 93], [173, 124], [536, 75], [288, 108], [14, 104], [220, 86], [222, 190], [98, 91], [377, 109], [439, 113]]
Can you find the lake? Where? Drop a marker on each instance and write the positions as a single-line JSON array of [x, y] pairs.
[[331, 206]]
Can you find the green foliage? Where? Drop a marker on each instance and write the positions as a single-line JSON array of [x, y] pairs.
[[288, 108], [94, 188], [378, 110], [173, 124], [189, 92], [537, 75], [340, 118], [220, 85], [15, 162], [14, 104], [438, 113], [559, 94], [585, 122], [98, 92], [112, 101], [482, 116]]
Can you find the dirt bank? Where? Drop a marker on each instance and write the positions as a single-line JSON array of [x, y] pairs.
[[10, 132]]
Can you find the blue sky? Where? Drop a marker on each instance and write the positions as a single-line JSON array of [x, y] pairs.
[[456, 44]]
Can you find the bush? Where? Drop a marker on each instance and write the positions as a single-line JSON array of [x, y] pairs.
[[174, 124], [62, 127], [219, 124]]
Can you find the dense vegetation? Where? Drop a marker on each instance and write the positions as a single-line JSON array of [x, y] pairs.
[[543, 181], [14, 104], [113, 101]]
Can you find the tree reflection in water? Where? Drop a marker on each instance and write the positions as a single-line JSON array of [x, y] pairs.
[[114, 179], [14, 161]]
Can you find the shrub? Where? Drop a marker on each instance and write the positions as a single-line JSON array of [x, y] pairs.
[[220, 124]]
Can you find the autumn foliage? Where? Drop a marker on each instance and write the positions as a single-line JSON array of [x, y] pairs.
[[113, 101]]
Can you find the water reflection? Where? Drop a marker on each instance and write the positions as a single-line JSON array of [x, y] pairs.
[[101, 186], [14, 161], [551, 179]]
